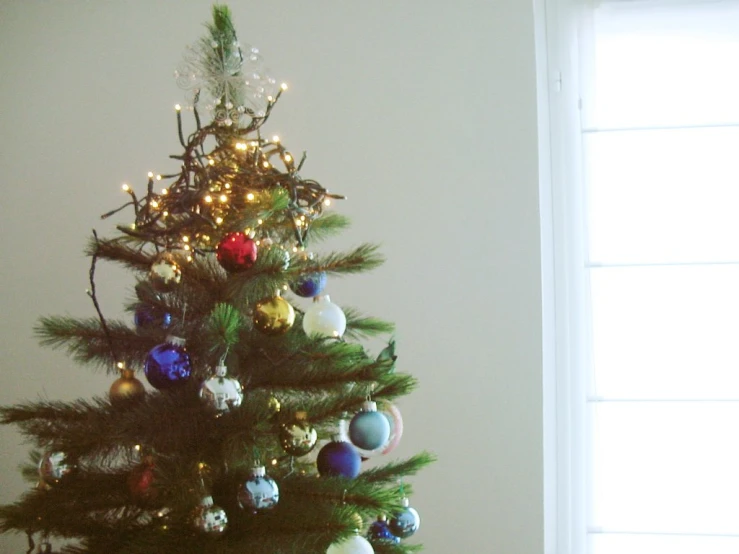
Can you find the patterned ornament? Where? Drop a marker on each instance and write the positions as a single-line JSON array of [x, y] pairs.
[[126, 388], [222, 392], [324, 318], [379, 533], [168, 365], [273, 315], [165, 273], [53, 467], [369, 429], [406, 522], [298, 437], [309, 284], [147, 317], [236, 252], [352, 545], [258, 493], [141, 482], [209, 518]]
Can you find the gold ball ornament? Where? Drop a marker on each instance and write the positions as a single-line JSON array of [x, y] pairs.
[[165, 273], [126, 388], [298, 437], [273, 315]]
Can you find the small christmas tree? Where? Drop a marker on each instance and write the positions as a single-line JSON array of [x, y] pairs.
[[251, 398]]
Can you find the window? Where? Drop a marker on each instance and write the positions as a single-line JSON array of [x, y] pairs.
[[644, 102]]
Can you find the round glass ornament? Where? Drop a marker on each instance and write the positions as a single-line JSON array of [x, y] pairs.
[[273, 315], [309, 285], [259, 492], [168, 364], [236, 252], [352, 545], [379, 533], [148, 317], [369, 429], [324, 318], [209, 518], [221, 391], [126, 388], [298, 437], [406, 522], [165, 273], [53, 467]]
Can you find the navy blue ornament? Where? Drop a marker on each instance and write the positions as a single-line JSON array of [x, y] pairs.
[[168, 365], [369, 429], [379, 533], [309, 285], [149, 317], [406, 522], [339, 458]]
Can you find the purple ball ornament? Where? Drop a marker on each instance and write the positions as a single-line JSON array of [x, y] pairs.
[[309, 284], [339, 458], [168, 364], [148, 317]]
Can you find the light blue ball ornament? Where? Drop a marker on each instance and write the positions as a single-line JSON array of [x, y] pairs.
[[369, 429]]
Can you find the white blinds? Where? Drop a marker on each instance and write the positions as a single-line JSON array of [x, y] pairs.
[[660, 136]]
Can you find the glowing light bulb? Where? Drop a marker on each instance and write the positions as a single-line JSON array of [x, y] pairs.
[[266, 164], [288, 158], [186, 247], [327, 202], [165, 191], [223, 198], [250, 197], [283, 86], [208, 199], [159, 177], [154, 204], [165, 213], [219, 220], [150, 175], [177, 107], [211, 162], [185, 239], [259, 221], [275, 139], [125, 187], [227, 186], [120, 365]]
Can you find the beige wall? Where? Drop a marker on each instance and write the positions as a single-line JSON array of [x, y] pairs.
[[422, 112]]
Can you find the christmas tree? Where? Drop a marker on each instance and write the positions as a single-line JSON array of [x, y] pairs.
[[260, 414]]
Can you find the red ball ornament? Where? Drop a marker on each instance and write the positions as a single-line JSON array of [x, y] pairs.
[[236, 252], [141, 483]]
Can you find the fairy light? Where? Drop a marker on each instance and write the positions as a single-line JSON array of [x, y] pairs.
[[275, 139], [327, 202], [159, 177], [223, 198], [189, 258], [165, 191], [283, 86], [165, 213], [265, 164], [227, 186], [154, 204], [274, 461], [137, 447], [208, 199], [295, 248], [150, 175], [240, 146], [250, 197], [177, 107], [185, 239], [211, 162], [254, 144], [288, 158], [270, 98], [186, 247], [219, 220], [125, 187], [120, 365], [260, 221]]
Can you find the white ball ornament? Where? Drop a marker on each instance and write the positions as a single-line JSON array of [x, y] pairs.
[[352, 545], [324, 318]]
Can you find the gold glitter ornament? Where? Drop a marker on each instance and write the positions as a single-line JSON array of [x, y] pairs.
[[126, 388], [273, 315]]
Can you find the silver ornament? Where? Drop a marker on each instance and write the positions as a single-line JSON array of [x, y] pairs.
[[222, 392], [406, 522], [209, 518], [259, 492], [53, 467]]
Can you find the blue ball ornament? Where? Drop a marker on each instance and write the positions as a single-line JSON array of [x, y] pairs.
[[168, 365], [309, 284], [149, 317], [379, 533], [369, 429], [339, 459], [406, 522]]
